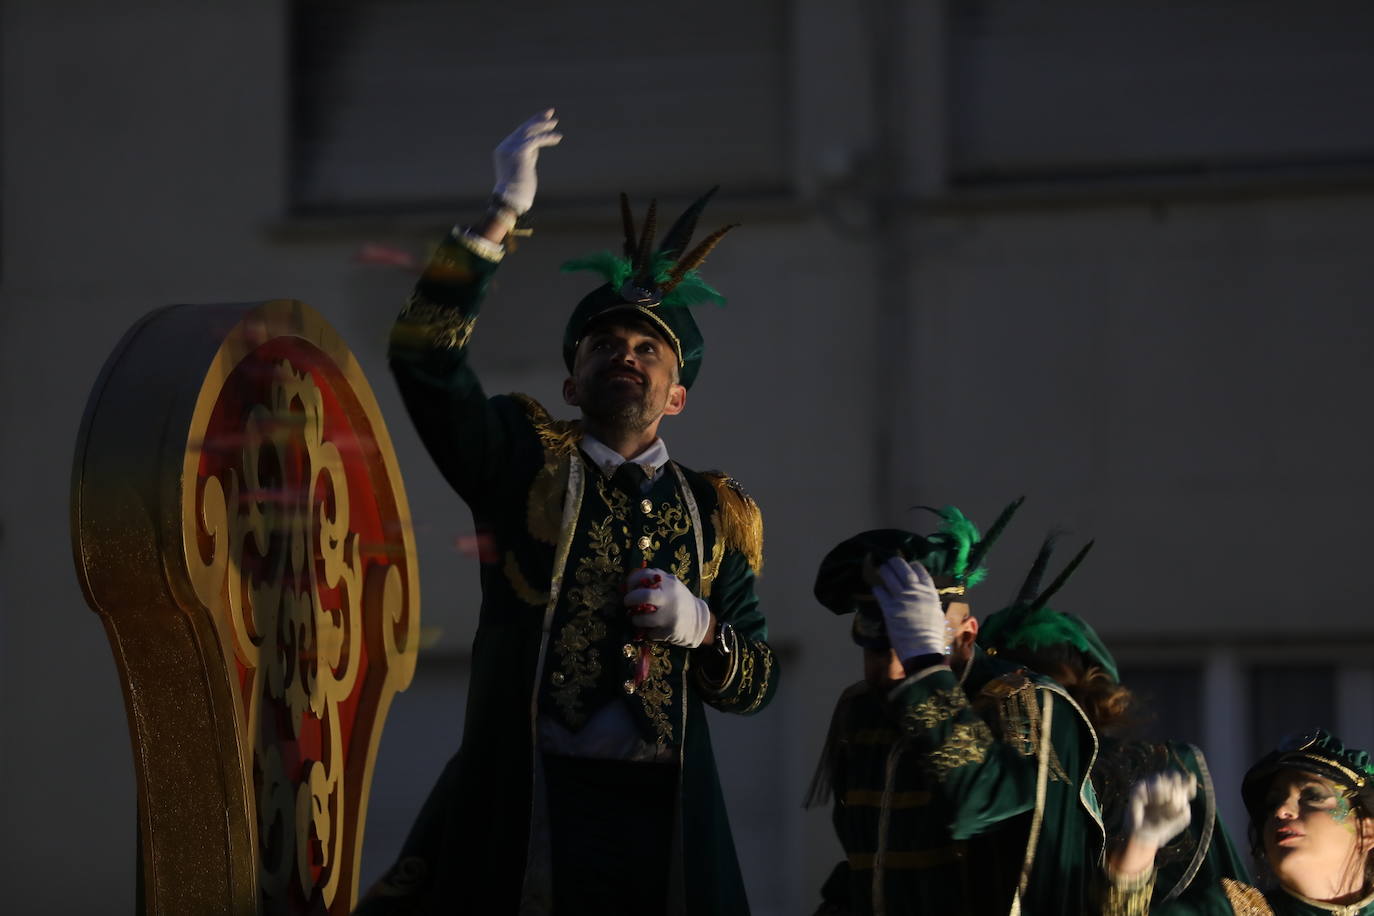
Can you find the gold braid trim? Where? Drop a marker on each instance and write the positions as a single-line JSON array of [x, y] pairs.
[[741, 522], [1245, 900], [1012, 708], [1128, 896], [558, 437]]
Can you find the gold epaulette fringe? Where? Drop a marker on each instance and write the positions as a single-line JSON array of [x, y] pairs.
[[740, 519], [557, 436]]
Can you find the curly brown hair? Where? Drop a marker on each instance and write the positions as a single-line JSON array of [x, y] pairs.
[[1110, 707]]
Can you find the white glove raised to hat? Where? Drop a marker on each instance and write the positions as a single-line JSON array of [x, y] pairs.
[[515, 159], [1159, 808], [677, 616], [911, 608]]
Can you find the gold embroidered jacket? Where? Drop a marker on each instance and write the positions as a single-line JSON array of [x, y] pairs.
[[962, 799], [552, 636]]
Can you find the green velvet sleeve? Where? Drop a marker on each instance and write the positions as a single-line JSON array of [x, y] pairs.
[[466, 434], [984, 782], [753, 674]]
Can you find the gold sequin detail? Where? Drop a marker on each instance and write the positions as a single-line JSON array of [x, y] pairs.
[[426, 323], [940, 706], [1244, 899], [967, 743]]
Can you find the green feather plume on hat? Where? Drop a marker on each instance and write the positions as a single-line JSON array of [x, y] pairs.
[[959, 548], [617, 270]]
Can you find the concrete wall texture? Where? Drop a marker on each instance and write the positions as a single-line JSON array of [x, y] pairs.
[[1178, 370]]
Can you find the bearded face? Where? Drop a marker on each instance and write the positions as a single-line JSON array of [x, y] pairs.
[[625, 377]]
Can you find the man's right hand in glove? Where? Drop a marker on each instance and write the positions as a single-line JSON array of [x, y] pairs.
[[912, 611]]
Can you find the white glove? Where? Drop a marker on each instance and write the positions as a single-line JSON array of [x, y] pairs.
[[1159, 809], [911, 609], [515, 157], [665, 609]]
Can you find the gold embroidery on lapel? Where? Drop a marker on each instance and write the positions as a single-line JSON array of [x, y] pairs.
[[670, 522], [579, 660]]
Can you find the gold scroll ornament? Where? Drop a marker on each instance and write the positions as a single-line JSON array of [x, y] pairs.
[[240, 526]]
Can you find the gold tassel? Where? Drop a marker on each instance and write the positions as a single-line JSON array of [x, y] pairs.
[[741, 520]]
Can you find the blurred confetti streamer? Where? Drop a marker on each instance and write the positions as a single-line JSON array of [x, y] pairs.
[[480, 545], [375, 254]]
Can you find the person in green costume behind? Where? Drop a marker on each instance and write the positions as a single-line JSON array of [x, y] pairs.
[[617, 592], [1066, 647], [959, 781], [1311, 807]]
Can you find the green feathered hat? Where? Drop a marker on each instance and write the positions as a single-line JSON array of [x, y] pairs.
[[1030, 625], [1320, 753], [953, 555], [659, 285]]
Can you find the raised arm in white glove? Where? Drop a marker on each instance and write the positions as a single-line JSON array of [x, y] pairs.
[[666, 610], [1158, 811], [515, 159], [911, 609]]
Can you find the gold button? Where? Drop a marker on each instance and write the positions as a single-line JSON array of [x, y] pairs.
[[644, 542], [646, 506], [630, 650], [559, 677], [630, 687]]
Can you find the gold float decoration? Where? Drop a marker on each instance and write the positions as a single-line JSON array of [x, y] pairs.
[[240, 526]]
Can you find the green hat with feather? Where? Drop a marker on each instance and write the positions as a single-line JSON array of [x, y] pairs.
[[1030, 625], [659, 285], [953, 555]]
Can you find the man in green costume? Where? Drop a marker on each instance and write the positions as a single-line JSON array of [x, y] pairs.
[[619, 600], [960, 781]]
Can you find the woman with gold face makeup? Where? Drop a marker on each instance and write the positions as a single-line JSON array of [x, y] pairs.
[[1311, 807]]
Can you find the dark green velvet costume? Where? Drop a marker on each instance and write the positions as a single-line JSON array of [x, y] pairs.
[[951, 777], [553, 637]]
